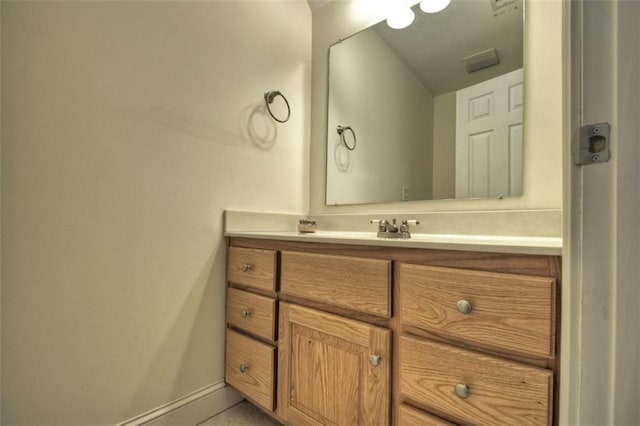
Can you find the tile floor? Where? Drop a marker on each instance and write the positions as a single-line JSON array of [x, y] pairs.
[[242, 414]]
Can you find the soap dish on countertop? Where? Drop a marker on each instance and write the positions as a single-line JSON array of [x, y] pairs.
[[307, 226]]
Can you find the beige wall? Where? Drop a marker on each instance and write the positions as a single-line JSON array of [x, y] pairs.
[[444, 146], [543, 110], [392, 153], [125, 136]]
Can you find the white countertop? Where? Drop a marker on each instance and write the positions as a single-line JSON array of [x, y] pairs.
[[483, 243]]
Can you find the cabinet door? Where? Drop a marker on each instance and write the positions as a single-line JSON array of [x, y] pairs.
[[332, 370]]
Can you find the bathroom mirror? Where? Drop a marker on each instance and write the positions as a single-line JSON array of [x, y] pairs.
[[431, 111]]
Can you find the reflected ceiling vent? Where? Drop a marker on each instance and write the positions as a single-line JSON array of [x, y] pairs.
[[481, 60], [499, 4]]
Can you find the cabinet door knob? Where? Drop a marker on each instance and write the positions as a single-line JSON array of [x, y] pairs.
[[245, 313], [464, 306], [375, 360], [462, 390], [244, 368], [246, 267]]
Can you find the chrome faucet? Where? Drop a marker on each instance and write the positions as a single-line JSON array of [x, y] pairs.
[[388, 229]]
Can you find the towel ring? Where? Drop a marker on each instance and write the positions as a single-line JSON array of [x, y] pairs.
[[268, 99], [341, 131]]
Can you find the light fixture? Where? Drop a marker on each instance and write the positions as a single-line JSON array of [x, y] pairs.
[[433, 6], [400, 17]]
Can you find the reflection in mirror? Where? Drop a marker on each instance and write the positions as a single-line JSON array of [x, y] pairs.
[[436, 107]]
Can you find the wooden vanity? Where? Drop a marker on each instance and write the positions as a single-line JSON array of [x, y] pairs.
[[322, 333]]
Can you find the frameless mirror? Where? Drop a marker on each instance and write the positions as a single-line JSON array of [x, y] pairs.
[[431, 111]]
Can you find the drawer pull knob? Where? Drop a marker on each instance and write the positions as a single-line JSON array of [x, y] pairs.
[[462, 390], [244, 368], [246, 267], [464, 306], [245, 313], [375, 360]]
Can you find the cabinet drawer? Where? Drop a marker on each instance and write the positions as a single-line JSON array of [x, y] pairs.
[[499, 391], [249, 367], [252, 313], [508, 312], [409, 416], [355, 283], [252, 268]]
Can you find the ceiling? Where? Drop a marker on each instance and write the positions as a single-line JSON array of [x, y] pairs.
[[433, 46], [316, 4]]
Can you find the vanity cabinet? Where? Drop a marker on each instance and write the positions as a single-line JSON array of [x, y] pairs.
[[490, 329], [505, 312], [471, 387], [369, 335], [251, 316], [250, 368], [252, 268], [355, 283], [332, 370]]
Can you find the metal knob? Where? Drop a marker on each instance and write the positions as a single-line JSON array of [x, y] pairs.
[[464, 306], [462, 390], [375, 360], [244, 368], [245, 313], [246, 267]]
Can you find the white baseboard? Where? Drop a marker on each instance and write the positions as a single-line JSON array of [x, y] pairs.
[[190, 409]]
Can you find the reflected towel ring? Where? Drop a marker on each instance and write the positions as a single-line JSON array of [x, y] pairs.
[[268, 99], [341, 131]]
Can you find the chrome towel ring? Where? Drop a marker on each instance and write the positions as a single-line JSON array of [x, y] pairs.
[[341, 131], [268, 99]]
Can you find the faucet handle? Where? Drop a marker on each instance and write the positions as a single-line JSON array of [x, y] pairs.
[[404, 228], [382, 223]]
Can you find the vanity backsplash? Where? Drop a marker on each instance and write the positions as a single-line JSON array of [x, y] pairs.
[[506, 223]]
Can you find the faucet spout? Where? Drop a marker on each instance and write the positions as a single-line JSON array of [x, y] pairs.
[[391, 226], [385, 226]]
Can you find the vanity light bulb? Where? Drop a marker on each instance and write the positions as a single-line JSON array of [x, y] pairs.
[[401, 18], [433, 6]]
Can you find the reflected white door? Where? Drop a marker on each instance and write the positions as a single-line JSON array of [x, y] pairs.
[[489, 137]]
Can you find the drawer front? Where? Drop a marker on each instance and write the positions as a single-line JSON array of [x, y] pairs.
[[508, 312], [409, 416], [359, 284], [474, 388], [249, 367], [252, 268], [252, 313]]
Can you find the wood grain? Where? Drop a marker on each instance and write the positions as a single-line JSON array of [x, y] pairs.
[[262, 271], [324, 373], [536, 266], [258, 381], [537, 361], [356, 283], [261, 318], [501, 392], [337, 310], [409, 416], [497, 262], [509, 311]]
